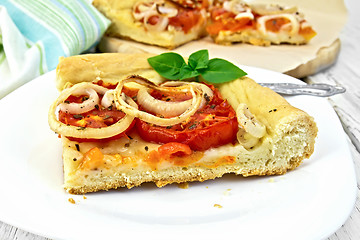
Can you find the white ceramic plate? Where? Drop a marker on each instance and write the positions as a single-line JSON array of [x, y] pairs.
[[310, 202]]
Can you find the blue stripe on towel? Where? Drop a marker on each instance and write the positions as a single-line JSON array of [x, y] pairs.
[[35, 31]]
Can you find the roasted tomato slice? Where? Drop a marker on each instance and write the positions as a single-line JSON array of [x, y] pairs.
[[186, 19], [223, 20], [211, 126], [275, 25]]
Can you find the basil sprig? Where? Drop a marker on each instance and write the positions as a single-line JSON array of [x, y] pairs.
[[173, 66]]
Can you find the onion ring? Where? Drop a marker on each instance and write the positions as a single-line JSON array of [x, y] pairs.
[[248, 122], [85, 106], [108, 99], [291, 17], [166, 109], [80, 132], [140, 9], [147, 117]]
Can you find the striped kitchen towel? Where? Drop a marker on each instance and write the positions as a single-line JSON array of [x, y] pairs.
[[35, 33]]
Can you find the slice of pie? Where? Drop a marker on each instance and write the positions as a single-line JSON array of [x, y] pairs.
[[258, 24], [157, 22], [122, 124]]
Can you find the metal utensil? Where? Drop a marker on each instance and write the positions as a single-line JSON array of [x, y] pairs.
[[320, 90]]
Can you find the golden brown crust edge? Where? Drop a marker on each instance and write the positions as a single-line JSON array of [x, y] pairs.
[[109, 67], [254, 37], [193, 175]]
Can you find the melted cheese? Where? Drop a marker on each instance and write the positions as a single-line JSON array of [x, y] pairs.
[[129, 153]]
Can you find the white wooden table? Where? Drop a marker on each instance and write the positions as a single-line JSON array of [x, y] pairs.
[[345, 72]]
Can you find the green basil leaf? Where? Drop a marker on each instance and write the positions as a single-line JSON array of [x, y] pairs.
[[220, 70], [173, 66], [168, 65], [187, 72], [199, 60]]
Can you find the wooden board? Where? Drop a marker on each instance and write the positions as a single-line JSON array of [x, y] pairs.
[[325, 57]]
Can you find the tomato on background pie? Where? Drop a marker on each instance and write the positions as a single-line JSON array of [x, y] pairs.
[[258, 24]]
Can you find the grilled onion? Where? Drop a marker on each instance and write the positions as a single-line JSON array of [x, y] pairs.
[[80, 132], [167, 11], [166, 109], [248, 122], [144, 11], [108, 99], [247, 140], [140, 9], [250, 129], [197, 95], [85, 106], [291, 17]]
